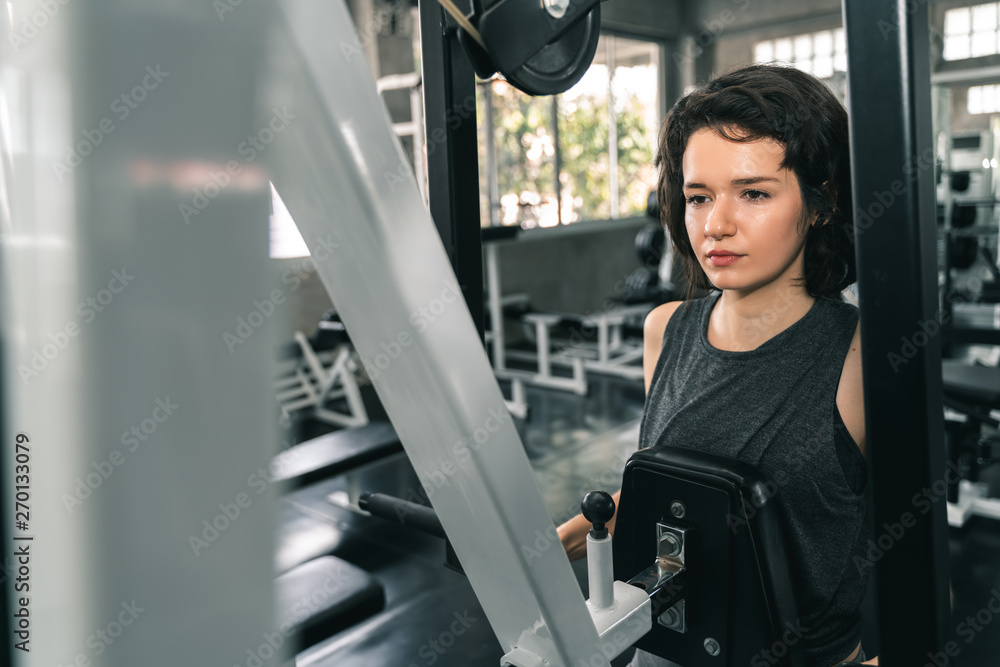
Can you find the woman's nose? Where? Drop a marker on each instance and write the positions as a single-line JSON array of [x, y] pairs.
[[720, 222]]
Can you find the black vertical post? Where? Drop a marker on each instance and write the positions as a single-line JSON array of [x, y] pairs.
[[892, 159], [452, 150]]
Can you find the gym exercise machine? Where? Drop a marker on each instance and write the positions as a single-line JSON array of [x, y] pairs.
[[536, 611]]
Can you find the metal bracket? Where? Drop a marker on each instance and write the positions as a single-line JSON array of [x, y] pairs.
[[664, 580]]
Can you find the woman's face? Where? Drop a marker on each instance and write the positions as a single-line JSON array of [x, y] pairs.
[[743, 212]]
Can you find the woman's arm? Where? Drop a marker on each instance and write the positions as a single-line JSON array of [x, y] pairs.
[[573, 533]]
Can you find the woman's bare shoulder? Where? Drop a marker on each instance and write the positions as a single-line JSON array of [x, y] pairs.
[[652, 337], [657, 319]]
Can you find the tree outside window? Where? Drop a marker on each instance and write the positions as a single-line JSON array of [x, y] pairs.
[[583, 155]]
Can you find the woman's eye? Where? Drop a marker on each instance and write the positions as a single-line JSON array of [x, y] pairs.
[[756, 195], [696, 199]]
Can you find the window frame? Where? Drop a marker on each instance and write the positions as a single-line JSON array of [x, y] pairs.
[[490, 209]]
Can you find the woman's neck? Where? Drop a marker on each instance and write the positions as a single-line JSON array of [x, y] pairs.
[[741, 321]]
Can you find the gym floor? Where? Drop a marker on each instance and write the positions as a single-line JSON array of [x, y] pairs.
[[575, 444]]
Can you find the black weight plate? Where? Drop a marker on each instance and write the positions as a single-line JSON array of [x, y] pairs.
[[560, 64]]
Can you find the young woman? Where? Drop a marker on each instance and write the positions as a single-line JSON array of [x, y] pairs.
[[754, 189]]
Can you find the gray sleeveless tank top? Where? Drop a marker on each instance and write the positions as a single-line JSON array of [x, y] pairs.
[[775, 407]]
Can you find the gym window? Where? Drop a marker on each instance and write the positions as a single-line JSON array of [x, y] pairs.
[[583, 155], [821, 54], [984, 99], [971, 32]]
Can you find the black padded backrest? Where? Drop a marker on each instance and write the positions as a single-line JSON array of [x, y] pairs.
[[739, 591]]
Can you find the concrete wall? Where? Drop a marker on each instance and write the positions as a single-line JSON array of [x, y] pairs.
[[570, 270], [736, 42], [306, 297], [659, 19]]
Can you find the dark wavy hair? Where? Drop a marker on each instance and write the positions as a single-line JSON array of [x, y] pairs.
[[801, 113]]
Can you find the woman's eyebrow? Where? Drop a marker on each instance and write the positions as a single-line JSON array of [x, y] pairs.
[[749, 180], [752, 180]]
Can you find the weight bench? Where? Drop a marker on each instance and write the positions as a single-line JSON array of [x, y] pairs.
[[973, 392], [702, 535], [321, 597], [610, 354], [344, 594], [321, 370], [337, 453]]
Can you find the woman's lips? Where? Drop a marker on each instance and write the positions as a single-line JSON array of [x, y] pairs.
[[723, 259]]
